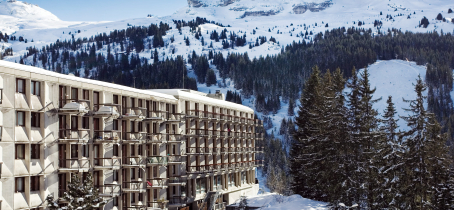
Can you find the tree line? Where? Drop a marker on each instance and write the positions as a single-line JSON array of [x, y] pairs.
[[344, 154]]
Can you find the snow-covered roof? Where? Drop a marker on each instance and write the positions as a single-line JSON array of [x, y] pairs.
[[36, 70], [192, 95]]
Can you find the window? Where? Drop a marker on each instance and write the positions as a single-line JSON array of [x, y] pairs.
[[20, 86], [1, 96], [85, 122], [115, 175], [20, 184], [133, 198], [140, 174], [34, 151], [140, 102], [133, 173], [86, 95], [115, 99], [140, 127], [115, 201], [115, 150], [35, 88], [20, 118], [133, 151], [20, 151], [140, 149], [115, 125], [74, 151], [140, 196], [35, 119], [1, 131], [74, 93], [155, 194], [85, 152], [34, 183], [131, 126], [74, 122], [155, 171]]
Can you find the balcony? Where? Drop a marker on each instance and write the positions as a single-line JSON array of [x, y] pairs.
[[109, 190], [157, 138], [132, 162], [196, 132], [134, 137], [196, 151], [73, 108], [112, 163], [133, 186], [175, 117], [135, 113], [157, 160], [107, 136], [81, 136], [108, 111], [193, 114], [177, 181], [175, 160], [177, 201], [135, 207], [157, 204], [201, 169], [74, 165], [174, 137], [159, 183], [157, 116]]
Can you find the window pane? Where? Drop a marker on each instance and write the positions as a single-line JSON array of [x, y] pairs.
[[20, 85], [37, 88], [20, 151], [20, 119], [20, 184], [35, 151], [74, 151], [32, 88]]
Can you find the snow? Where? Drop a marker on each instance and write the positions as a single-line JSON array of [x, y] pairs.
[[273, 201], [395, 78]]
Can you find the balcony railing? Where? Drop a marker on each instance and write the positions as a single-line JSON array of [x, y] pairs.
[[109, 190], [107, 163], [133, 186], [175, 200], [175, 117], [134, 161], [107, 136], [177, 181], [156, 116], [157, 138], [74, 164], [156, 160], [175, 159], [135, 207], [134, 136], [158, 204], [79, 135], [156, 183]]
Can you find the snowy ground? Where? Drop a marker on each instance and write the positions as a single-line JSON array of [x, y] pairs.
[[273, 201]]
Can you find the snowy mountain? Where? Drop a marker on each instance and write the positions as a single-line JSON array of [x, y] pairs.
[[18, 15]]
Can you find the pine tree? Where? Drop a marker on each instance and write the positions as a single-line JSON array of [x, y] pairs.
[[291, 107], [300, 151], [426, 159], [80, 195]]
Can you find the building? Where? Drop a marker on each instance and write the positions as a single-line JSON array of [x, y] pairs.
[[146, 149]]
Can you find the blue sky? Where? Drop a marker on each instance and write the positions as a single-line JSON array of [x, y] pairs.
[[108, 10]]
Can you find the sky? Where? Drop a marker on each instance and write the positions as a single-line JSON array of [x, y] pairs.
[[108, 10]]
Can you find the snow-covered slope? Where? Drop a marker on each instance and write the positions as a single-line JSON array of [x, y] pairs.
[[272, 201], [18, 15]]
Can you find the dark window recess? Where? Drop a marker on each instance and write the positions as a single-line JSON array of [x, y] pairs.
[[20, 184], [34, 183], [35, 88], [74, 151], [115, 175], [20, 151], [115, 150], [74, 94], [1, 96], [35, 119], [85, 151], [86, 95], [74, 122], [20, 86], [35, 151], [115, 125], [20, 118], [115, 99], [85, 122]]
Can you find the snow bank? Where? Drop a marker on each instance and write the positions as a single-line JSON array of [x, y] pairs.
[[273, 201]]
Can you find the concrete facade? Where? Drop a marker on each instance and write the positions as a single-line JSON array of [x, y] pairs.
[[146, 149]]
